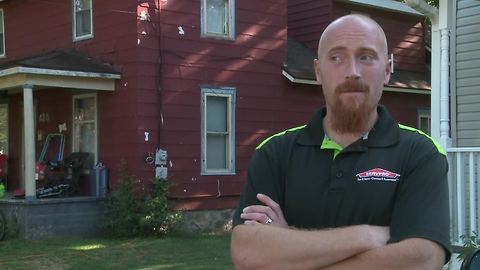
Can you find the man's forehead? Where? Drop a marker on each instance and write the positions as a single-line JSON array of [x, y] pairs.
[[342, 33], [345, 36]]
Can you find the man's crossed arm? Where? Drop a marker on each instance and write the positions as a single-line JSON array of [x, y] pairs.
[[276, 246]]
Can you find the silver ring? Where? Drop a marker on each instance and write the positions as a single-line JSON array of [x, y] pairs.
[[269, 221]]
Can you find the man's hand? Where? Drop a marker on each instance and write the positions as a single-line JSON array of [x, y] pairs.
[[270, 213]]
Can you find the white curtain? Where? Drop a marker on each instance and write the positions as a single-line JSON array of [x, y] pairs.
[[217, 16]]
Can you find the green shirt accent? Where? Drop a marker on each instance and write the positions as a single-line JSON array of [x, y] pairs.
[[278, 134], [437, 145], [328, 143]]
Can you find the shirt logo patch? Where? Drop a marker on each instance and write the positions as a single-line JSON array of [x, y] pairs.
[[378, 174]]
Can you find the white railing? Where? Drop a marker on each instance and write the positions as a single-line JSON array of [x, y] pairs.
[[464, 186]]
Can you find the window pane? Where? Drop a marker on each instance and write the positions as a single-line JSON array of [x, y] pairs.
[[216, 151], [2, 45], [216, 114], [3, 129], [84, 133], [85, 137], [1, 22], [83, 12], [83, 25], [2, 49], [216, 16], [85, 141], [82, 5], [84, 109], [425, 124]]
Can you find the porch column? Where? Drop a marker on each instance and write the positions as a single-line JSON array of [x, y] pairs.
[[435, 82], [444, 89], [29, 142]]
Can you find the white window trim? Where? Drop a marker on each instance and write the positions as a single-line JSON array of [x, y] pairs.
[[3, 37], [424, 113], [82, 96], [74, 24], [231, 22], [229, 93]]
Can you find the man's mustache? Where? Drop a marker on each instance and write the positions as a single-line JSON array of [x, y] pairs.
[[352, 86]]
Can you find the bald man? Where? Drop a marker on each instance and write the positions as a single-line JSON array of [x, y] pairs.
[[352, 189]]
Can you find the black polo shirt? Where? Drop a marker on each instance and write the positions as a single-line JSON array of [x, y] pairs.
[[396, 176]]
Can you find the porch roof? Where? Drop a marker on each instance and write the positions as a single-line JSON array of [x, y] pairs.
[[64, 68], [298, 68]]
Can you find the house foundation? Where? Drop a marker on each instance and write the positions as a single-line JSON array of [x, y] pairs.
[[53, 217], [206, 221]]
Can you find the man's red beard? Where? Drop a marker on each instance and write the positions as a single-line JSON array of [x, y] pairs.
[[351, 114]]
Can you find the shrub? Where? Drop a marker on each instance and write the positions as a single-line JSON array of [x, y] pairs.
[[157, 218], [131, 212], [471, 243]]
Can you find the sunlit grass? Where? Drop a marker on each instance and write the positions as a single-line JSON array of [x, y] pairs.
[[174, 252], [88, 247]]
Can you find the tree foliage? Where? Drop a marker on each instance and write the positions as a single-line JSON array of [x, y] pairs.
[[3, 127], [430, 2]]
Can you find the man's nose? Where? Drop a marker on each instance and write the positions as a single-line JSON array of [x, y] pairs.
[[352, 71]]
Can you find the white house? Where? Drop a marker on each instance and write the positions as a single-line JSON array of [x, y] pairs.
[[455, 104]]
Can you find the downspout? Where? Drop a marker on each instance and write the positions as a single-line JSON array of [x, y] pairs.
[[160, 73], [439, 103]]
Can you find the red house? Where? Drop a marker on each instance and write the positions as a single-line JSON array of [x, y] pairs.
[[203, 80]]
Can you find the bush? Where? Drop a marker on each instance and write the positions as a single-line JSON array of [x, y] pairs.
[[471, 243], [131, 212], [157, 218]]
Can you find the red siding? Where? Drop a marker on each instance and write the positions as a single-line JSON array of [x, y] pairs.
[[251, 64], [404, 107], [162, 73], [405, 33], [130, 45], [307, 19]]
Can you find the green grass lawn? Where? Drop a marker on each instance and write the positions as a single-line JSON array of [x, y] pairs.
[[173, 252]]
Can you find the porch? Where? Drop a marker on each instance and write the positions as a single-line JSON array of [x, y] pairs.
[[52, 93], [464, 185]]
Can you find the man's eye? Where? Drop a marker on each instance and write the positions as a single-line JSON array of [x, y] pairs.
[[335, 58], [366, 57]]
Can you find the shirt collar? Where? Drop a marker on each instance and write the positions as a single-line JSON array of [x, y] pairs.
[[384, 133]]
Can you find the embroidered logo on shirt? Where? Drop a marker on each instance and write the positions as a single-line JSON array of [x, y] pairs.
[[378, 174]]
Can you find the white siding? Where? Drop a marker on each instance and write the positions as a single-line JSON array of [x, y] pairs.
[[467, 73]]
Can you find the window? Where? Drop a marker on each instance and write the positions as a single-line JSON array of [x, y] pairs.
[[2, 34], [4, 128], [424, 120], [217, 19], [85, 126], [218, 130], [82, 19]]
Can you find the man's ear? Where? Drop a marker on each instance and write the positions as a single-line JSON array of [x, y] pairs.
[[388, 71], [316, 67]]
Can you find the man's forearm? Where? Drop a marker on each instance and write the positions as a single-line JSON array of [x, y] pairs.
[[268, 247], [412, 254]]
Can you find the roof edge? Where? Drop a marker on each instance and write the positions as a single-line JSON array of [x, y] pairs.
[[385, 88], [57, 72]]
